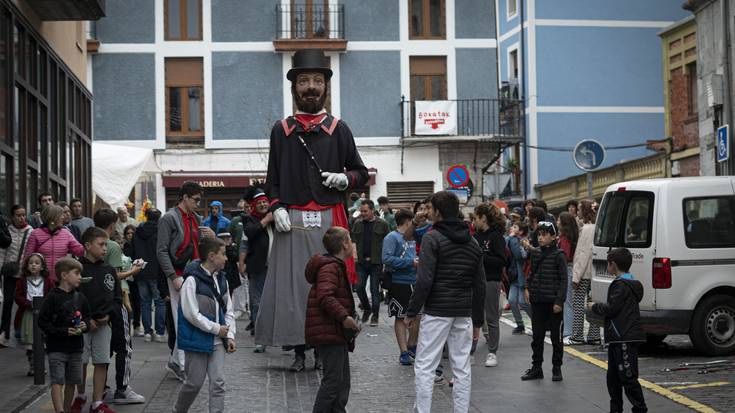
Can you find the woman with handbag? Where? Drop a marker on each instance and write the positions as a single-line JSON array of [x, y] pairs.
[[10, 260]]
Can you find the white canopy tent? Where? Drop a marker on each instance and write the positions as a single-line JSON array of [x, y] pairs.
[[117, 168]]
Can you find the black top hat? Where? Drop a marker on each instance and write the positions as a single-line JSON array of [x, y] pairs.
[[309, 60]]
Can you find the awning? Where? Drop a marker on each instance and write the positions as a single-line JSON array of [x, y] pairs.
[[116, 169]]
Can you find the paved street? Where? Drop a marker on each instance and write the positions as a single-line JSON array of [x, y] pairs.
[[261, 383]]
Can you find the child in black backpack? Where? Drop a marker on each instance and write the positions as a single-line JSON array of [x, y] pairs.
[[546, 290], [63, 318], [623, 332]]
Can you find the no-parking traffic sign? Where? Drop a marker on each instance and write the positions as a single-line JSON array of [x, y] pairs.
[[458, 176]]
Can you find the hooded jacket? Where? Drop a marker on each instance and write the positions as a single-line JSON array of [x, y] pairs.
[[218, 223], [144, 247], [451, 277], [492, 243], [330, 300], [101, 287], [621, 311], [548, 280], [53, 246]]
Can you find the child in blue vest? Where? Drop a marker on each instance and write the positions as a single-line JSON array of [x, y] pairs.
[[206, 326]]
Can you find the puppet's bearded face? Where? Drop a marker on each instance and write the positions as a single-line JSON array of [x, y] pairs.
[[310, 91]]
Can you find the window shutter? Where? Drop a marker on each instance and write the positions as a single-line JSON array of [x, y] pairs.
[[405, 194]]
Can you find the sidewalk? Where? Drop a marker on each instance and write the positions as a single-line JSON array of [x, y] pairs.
[[262, 383], [17, 389]]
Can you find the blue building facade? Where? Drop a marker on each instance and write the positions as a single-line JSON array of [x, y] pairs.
[[231, 62], [586, 69]]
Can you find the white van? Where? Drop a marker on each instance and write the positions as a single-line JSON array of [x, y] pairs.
[[681, 232]]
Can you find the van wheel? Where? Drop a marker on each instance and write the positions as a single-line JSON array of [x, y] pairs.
[[655, 339], [713, 326]]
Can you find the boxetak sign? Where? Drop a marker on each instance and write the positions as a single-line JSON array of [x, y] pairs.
[[435, 117]]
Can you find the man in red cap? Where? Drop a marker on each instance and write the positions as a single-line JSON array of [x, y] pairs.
[[313, 160]]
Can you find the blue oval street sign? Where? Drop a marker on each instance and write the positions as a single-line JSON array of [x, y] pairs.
[[588, 154]]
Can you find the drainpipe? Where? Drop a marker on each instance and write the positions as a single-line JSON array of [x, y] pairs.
[[728, 167], [524, 79]]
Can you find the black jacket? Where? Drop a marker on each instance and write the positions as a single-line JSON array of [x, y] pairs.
[[548, 280], [258, 243], [144, 246], [492, 244], [57, 316], [451, 280], [101, 287], [5, 238], [293, 177], [621, 311]]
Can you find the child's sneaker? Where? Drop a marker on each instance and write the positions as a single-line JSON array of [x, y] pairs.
[[405, 359], [534, 373], [78, 404], [556, 374], [259, 348], [102, 408], [412, 352], [127, 396], [147, 338]]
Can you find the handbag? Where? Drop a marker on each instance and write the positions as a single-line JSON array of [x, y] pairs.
[[11, 269]]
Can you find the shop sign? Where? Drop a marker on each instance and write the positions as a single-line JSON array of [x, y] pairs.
[[436, 117]]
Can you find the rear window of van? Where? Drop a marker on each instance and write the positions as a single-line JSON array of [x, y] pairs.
[[709, 222], [625, 220]]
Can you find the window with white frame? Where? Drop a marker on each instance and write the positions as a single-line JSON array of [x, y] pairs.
[[511, 7], [513, 66]]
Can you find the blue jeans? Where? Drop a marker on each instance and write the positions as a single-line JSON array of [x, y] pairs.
[[568, 310], [148, 290], [257, 282], [517, 301], [372, 271]]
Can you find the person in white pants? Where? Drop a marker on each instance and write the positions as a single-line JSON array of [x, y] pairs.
[[450, 291]]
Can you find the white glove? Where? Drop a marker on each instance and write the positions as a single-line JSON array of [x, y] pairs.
[[335, 180], [283, 222]]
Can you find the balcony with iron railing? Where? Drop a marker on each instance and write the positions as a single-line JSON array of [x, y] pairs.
[[310, 25], [499, 120]]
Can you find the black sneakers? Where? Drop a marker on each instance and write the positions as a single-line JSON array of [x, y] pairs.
[[534, 373], [366, 316], [556, 374], [519, 330], [299, 364]]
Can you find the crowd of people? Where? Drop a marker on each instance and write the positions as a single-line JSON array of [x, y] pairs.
[[183, 279]]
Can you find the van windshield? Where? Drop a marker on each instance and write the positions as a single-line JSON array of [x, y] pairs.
[[625, 220]]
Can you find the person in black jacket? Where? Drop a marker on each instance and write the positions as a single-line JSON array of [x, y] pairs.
[[489, 227], [63, 318], [450, 291], [144, 247], [623, 332], [259, 232], [546, 290]]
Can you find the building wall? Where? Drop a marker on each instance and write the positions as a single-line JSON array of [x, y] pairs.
[[245, 90], [233, 22], [610, 129], [374, 20], [370, 86], [711, 61], [472, 17], [127, 21], [587, 60], [250, 113], [477, 75], [124, 87], [67, 38]]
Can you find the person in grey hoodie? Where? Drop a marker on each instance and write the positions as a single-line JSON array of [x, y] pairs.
[[177, 244]]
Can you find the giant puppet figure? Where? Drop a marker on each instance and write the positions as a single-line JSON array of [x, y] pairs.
[[313, 160]]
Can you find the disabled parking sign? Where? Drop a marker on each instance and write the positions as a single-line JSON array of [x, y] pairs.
[[723, 143]]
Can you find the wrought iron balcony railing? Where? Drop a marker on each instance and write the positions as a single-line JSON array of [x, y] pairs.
[[479, 118], [310, 21]]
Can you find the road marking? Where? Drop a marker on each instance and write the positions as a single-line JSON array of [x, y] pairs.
[[678, 398], [700, 385]]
